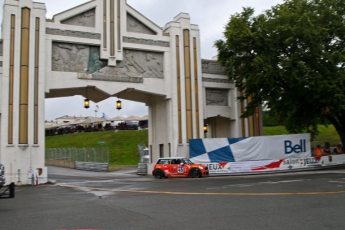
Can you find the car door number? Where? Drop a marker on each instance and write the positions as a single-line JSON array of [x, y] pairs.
[[180, 169]]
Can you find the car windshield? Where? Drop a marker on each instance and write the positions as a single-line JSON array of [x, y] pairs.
[[187, 161]]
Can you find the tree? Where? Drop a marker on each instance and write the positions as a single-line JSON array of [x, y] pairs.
[[269, 120], [292, 57]]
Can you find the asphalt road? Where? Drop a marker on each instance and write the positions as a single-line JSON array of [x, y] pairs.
[[123, 200]]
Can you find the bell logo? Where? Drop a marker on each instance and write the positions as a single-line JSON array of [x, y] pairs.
[[298, 148]]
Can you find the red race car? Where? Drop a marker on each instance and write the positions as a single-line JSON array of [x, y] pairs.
[[178, 167]]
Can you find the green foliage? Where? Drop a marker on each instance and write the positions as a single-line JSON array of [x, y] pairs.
[[292, 57], [123, 145], [326, 134], [274, 130], [269, 120]]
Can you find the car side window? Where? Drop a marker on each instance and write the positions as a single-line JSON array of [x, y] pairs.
[[163, 161]]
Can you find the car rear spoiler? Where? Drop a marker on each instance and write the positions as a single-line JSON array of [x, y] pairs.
[[8, 193]]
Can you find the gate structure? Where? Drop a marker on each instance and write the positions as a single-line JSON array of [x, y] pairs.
[[102, 49]]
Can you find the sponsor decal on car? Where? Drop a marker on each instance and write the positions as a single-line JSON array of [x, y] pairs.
[[180, 169]]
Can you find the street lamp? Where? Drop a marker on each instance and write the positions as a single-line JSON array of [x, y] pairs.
[[86, 103], [205, 128], [118, 104]]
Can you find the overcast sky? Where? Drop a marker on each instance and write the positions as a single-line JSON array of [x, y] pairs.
[[210, 16]]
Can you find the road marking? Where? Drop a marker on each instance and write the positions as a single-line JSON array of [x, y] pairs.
[[241, 185], [259, 183], [216, 188], [95, 181], [205, 193], [343, 182], [289, 181], [269, 182]]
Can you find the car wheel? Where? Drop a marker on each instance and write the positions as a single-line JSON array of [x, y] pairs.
[[195, 173], [158, 174]]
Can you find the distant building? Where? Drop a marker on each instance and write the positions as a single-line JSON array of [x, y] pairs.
[[66, 119]]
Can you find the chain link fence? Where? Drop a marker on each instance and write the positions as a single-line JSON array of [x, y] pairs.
[[95, 159]]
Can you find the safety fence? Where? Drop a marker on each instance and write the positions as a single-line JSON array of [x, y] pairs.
[[93, 159], [144, 159]]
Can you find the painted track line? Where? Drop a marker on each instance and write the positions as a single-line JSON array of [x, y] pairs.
[[205, 193]]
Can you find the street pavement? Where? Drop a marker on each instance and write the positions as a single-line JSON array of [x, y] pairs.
[[123, 200]]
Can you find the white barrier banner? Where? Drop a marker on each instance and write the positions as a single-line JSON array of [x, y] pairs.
[[276, 165], [210, 150]]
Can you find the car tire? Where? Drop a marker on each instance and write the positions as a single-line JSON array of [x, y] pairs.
[[158, 174], [195, 173]]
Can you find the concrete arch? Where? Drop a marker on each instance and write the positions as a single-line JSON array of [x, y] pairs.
[[101, 49]]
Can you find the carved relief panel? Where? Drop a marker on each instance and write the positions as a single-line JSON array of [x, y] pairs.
[[144, 64], [84, 19], [213, 67], [134, 25], [135, 66], [95, 63], [67, 57], [217, 97]]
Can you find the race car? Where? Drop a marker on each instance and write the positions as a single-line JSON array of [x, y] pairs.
[[178, 167]]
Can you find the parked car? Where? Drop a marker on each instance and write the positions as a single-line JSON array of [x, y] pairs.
[[9, 191], [2, 175], [178, 167]]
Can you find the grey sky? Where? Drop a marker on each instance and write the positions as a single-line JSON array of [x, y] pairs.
[[210, 16]]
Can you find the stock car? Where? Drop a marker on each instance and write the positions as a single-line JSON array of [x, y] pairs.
[[178, 167]]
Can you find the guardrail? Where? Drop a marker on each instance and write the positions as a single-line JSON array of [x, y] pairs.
[[93, 159]]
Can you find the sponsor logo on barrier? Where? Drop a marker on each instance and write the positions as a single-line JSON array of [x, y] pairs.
[[291, 161], [301, 162], [310, 161], [298, 148], [221, 167], [214, 167]]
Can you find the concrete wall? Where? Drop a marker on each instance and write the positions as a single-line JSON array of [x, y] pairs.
[[60, 163]]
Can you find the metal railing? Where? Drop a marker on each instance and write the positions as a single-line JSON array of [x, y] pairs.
[[141, 148], [144, 159], [95, 159], [99, 154]]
